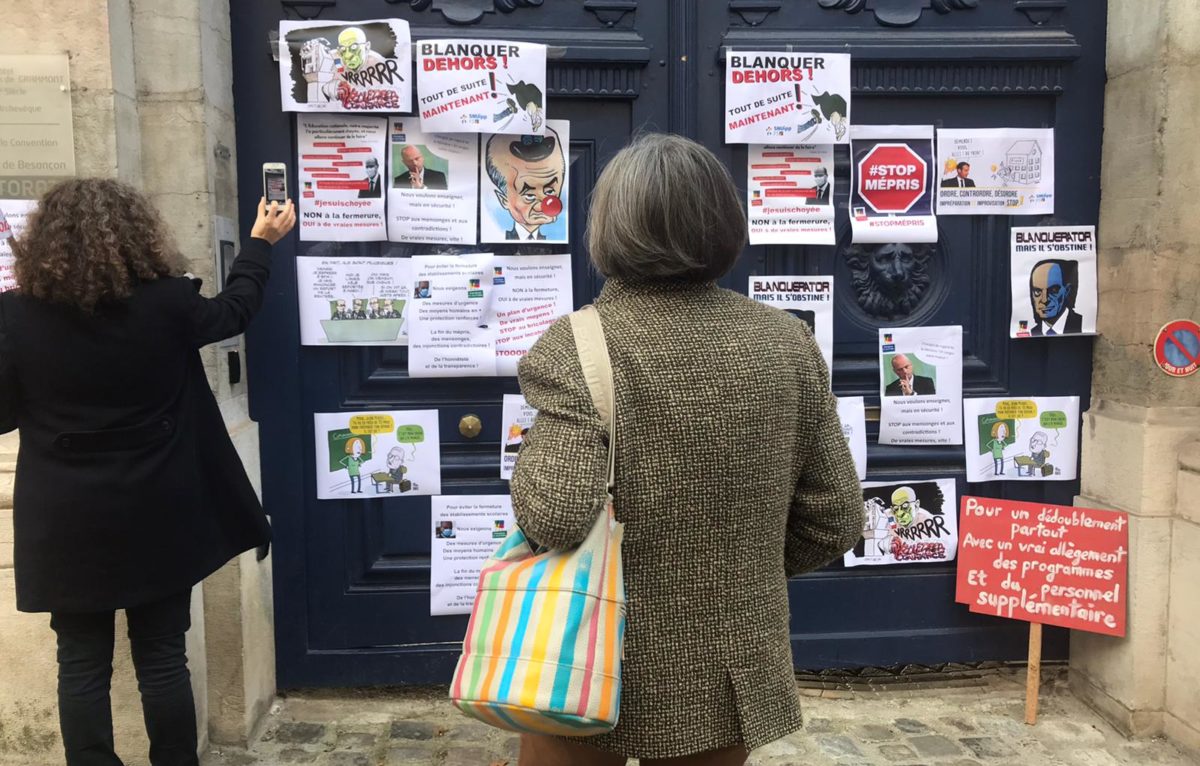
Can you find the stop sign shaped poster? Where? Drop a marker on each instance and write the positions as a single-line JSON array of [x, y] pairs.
[[891, 199], [892, 177]]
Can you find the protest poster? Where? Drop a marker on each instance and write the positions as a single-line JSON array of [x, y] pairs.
[[906, 522], [341, 177], [789, 194], [809, 299], [852, 412], [891, 192], [14, 217], [517, 416], [481, 86], [1045, 564], [523, 180], [773, 97], [997, 171], [345, 66], [467, 529], [1026, 438], [531, 293], [353, 301], [451, 325], [363, 455], [431, 196], [1054, 289], [920, 385]]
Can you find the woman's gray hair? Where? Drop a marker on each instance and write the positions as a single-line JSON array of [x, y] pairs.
[[665, 208]]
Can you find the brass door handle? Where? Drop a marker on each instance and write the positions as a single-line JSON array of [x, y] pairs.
[[470, 426]]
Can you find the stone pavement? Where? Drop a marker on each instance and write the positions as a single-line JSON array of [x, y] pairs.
[[977, 726]]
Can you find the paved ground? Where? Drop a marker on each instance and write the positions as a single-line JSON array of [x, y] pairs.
[[975, 726]]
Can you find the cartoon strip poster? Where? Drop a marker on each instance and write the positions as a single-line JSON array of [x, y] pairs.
[[14, 217], [345, 66], [467, 529], [907, 522], [1054, 288], [341, 177], [431, 196], [477, 315], [789, 194], [1034, 438], [363, 455], [353, 301], [772, 97], [518, 416], [1000, 171], [809, 299], [481, 86], [524, 185], [852, 412], [891, 189], [920, 385]]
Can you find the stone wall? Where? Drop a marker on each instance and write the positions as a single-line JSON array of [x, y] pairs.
[[151, 90], [1134, 454]]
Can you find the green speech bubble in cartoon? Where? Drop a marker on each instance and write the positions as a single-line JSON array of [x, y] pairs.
[[1054, 419], [410, 434]]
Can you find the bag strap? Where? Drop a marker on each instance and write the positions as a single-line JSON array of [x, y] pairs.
[[597, 371]]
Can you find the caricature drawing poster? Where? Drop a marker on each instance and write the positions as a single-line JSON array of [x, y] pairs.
[[353, 301], [432, 185], [361, 455], [345, 66], [523, 186], [773, 97], [809, 299], [481, 86], [1053, 281], [907, 522], [1001, 171], [1027, 438]]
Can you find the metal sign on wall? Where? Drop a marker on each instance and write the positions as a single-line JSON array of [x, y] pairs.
[[37, 145]]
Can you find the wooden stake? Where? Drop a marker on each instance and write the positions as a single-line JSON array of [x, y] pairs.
[[1033, 675]]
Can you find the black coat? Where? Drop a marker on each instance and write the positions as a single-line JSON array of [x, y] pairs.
[[128, 487]]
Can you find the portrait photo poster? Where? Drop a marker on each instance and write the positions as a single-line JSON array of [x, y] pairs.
[[345, 66], [907, 522], [789, 194], [432, 184], [1022, 438], [341, 175], [363, 455], [1054, 286], [775, 97], [920, 385], [808, 298], [466, 530], [852, 412], [481, 86], [523, 186], [353, 301]]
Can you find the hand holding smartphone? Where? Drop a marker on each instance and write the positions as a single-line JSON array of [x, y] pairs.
[[275, 182]]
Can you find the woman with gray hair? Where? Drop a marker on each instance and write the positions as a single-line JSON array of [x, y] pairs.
[[732, 473]]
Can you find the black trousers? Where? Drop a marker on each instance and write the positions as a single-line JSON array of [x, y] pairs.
[[85, 654]]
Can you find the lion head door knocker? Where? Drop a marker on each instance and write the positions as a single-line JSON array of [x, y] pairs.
[[890, 281]]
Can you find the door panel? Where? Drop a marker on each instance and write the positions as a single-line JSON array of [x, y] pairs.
[[352, 577]]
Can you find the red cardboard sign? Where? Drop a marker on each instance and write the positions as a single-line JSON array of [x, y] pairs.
[[1050, 564]]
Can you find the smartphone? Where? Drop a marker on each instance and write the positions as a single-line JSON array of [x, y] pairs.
[[275, 182]]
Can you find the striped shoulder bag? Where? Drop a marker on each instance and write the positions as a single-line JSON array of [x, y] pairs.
[[542, 654]]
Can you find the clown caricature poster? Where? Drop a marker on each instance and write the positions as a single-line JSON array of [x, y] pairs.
[[1027, 438], [772, 97], [361, 455], [523, 186], [1053, 281], [345, 66], [432, 185], [481, 86], [907, 522]]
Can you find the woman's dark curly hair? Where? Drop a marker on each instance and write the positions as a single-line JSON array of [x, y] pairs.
[[90, 242]]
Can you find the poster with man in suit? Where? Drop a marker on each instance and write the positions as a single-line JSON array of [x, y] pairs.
[[431, 197], [1053, 278], [995, 171], [789, 194], [920, 385], [524, 183]]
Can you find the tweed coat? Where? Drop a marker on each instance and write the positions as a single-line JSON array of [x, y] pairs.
[[732, 474], [128, 487]]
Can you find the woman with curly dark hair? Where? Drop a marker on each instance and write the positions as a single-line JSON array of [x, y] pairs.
[[128, 488]]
